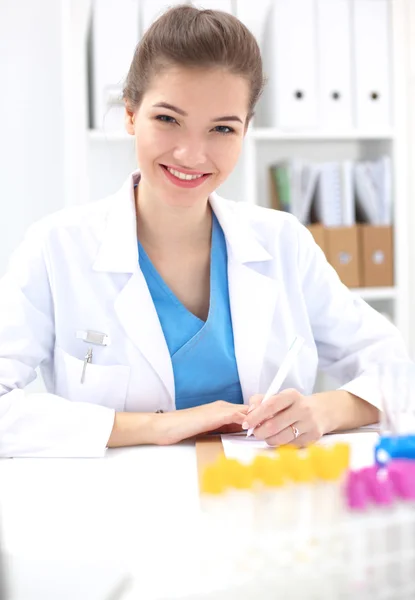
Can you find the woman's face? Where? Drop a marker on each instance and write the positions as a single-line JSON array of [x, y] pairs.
[[191, 123]]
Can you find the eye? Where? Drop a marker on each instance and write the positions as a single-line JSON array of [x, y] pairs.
[[224, 129], [165, 119]]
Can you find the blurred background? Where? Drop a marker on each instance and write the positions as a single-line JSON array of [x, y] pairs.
[[331, 141]]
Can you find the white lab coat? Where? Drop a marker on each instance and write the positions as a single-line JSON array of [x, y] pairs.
[[78, 270]]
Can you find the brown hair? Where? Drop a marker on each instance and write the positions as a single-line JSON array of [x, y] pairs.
[[194, 38]]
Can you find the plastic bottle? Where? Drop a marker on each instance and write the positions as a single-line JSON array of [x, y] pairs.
[[329, 464], [402, 476], [382, 529], [394, 446], [356, 559], [270, 527]]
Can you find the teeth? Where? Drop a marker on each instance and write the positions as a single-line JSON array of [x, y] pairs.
[[182, 175]]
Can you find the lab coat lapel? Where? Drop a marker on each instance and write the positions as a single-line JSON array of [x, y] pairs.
[[253, 295], [137, 314], [118, 253], [253, 300]]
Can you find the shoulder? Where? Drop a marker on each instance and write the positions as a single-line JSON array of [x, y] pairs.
[[272, 228], [81, 221], [76, 227], [91, 216]]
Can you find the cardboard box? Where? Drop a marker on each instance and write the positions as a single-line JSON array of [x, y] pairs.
[[318, 232], [376, 244], [342, 252]]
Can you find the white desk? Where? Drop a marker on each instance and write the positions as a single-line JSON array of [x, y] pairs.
[[72, 527]]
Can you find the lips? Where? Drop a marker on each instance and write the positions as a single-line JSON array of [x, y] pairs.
[[185, 183], [184, 171]]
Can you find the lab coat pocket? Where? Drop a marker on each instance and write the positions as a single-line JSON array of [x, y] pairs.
[[105, 385]]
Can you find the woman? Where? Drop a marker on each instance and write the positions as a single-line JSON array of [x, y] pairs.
[[163, 312]]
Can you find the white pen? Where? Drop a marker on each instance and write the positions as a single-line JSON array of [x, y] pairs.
[[282, 372]]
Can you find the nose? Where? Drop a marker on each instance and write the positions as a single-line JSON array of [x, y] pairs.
[[190, 152]]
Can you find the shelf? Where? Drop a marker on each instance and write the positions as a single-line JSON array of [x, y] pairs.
[[380, 293], [270, 134], [109, 136]]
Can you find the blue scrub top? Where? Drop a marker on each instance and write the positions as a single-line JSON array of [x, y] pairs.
[[202, 353]]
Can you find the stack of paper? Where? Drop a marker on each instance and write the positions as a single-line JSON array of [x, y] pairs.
[[294, 184], [334, 190], [374, 190], [335, 206]]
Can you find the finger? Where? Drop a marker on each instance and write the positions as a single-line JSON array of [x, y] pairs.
[[271, 407], [236, 417], [255, 401], [286, 436], [278, 422]]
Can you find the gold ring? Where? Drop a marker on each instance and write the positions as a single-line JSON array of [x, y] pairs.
[[295, 431]]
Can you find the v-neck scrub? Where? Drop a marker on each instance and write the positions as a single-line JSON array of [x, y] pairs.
[[202, 353]]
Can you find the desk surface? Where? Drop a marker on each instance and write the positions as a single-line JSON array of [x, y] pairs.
[[73, 527]]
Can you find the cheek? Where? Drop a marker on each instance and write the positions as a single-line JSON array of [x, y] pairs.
[[227, 154], [151, 143]]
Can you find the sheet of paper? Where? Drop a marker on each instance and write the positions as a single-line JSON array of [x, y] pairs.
[[362, 443]]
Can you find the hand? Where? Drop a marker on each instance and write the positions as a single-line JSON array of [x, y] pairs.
[[277, 419], [216, 416]]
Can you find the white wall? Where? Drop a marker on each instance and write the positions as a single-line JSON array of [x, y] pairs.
[[31, 117]]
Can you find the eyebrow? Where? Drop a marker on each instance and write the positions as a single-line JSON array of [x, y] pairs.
[[181, 112]]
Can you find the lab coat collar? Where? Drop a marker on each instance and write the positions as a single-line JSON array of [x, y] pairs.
[[118, 252], [239, 235]]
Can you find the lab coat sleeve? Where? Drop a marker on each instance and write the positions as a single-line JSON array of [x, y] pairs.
[[352, 338], [40, 424]]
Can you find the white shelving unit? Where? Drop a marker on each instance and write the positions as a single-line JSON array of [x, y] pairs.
[[110, 156]]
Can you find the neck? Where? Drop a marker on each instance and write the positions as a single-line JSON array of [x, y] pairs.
[[165, 227]]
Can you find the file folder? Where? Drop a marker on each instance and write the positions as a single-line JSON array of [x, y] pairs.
[[328, 205], [371, 26], [347, 193], [291, 97], [318, 232], [335, 199], [255, 16], [334, 64], [377, 255], [115, 34], [342, 252], [373, 180]]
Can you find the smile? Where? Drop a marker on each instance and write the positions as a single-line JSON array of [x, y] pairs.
[[184, 179], [183, 176]]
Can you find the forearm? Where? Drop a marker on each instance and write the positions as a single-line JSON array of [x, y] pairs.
[[341, 410], [134, 429]]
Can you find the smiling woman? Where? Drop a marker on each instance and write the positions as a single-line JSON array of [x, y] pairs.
[[164, 311]]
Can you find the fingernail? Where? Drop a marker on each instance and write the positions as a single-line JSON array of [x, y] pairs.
[[245, 425], [251, 408]]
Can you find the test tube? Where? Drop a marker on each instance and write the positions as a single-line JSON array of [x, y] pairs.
[[215, 523], [240, 500], [357, 541], [402, 475], [383, 530], [271, 535]]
